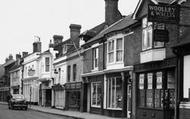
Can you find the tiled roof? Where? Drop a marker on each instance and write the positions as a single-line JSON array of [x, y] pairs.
[[119, 25]]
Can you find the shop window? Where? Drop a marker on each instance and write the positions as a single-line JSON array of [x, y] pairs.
[[141, 90], [186, 75], [47, 64], [114, 92], [95, 58], [150, 90], [96, 94]]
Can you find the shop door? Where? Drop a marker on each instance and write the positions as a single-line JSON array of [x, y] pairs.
[[48, 97]]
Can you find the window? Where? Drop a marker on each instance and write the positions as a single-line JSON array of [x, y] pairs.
[[64, 49], [68, 73], [96, 94], [147, 34], [95, 58], [114, 92], [74, 72], [47, 64], [119, 50], [150, 90], [59, 75], [111, 51], [115, 50]]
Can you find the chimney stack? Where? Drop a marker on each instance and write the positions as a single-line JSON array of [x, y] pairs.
[[74, 30], [57, 39], [112, 14], [74, 34], [37, 46], [24, 54], [18, 56]]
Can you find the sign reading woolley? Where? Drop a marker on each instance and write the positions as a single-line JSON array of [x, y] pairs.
[[163, 13]]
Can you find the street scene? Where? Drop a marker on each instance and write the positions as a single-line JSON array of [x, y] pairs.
[[131, 63]]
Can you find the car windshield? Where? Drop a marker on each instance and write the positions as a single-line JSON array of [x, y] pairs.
[[18, 96]]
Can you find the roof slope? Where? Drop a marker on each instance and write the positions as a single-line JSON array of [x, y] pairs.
[[117, 26]]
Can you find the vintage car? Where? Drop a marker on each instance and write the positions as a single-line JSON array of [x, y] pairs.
[[17, 102]]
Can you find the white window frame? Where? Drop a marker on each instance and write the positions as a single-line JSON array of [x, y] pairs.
[[46, 64], [99, 83], [114, 40], [115, 90], [95, 53], [147, 35]]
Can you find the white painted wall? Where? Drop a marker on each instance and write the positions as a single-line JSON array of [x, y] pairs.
[[186, 75]]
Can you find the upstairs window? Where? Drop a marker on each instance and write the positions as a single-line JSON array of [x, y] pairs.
[[115, 50], [64, 49], [68, 73], [95, 58], [74, 72], [47, 64], [147, 34]]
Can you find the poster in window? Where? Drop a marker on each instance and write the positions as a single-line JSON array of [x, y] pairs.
[[159, 80], [150, 78], [141, 81], [171, 80]]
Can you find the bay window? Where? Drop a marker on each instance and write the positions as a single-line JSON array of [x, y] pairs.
[[114, 92], [96, 94], [115, 50], [148, 41]]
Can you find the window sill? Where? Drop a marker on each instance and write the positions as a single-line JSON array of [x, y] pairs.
[[94, 106], [95, 69], [114, 108]]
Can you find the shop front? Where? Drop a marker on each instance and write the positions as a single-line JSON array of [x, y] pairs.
[[108, 94], [4, 91], [58, 95], [73, 96], [156, 89], [45, 93]]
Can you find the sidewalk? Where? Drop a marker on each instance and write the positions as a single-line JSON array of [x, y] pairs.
[[74, 114]]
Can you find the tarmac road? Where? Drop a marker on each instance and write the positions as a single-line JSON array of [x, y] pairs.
[[5, 113]]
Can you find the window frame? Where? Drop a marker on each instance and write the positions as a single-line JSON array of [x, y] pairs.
[[112, 96], [148, 29], [113, 50], [98, 83], [95, 58], [74, 72], [47, 64], [69, 73]]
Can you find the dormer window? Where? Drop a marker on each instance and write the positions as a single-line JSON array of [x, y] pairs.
[[64, 49]]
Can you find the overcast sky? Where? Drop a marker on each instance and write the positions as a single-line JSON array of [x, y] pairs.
[[21, 20]]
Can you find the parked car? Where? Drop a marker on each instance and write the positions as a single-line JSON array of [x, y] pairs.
[[17, 102]]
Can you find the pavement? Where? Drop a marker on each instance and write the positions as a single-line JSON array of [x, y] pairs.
[[73, 114]]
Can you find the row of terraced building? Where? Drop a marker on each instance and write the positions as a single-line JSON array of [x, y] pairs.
[[119, 68]]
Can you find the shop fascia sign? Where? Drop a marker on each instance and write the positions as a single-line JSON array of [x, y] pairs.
[[163, 13]]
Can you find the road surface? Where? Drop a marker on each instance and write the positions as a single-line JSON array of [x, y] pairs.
[[5, 113]]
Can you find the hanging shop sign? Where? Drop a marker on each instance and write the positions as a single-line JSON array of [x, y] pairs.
[[163, 13], [161, 35]]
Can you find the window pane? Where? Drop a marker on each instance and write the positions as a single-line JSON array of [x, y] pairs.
[[149, 98], [96, 94], [159, 80], [141, 81], [171, 79], [157, 98], [119, 44], [110, 57], [119, 55], [158, 44], [47, 64], [141, 98], [150, 80], [149, 40]]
